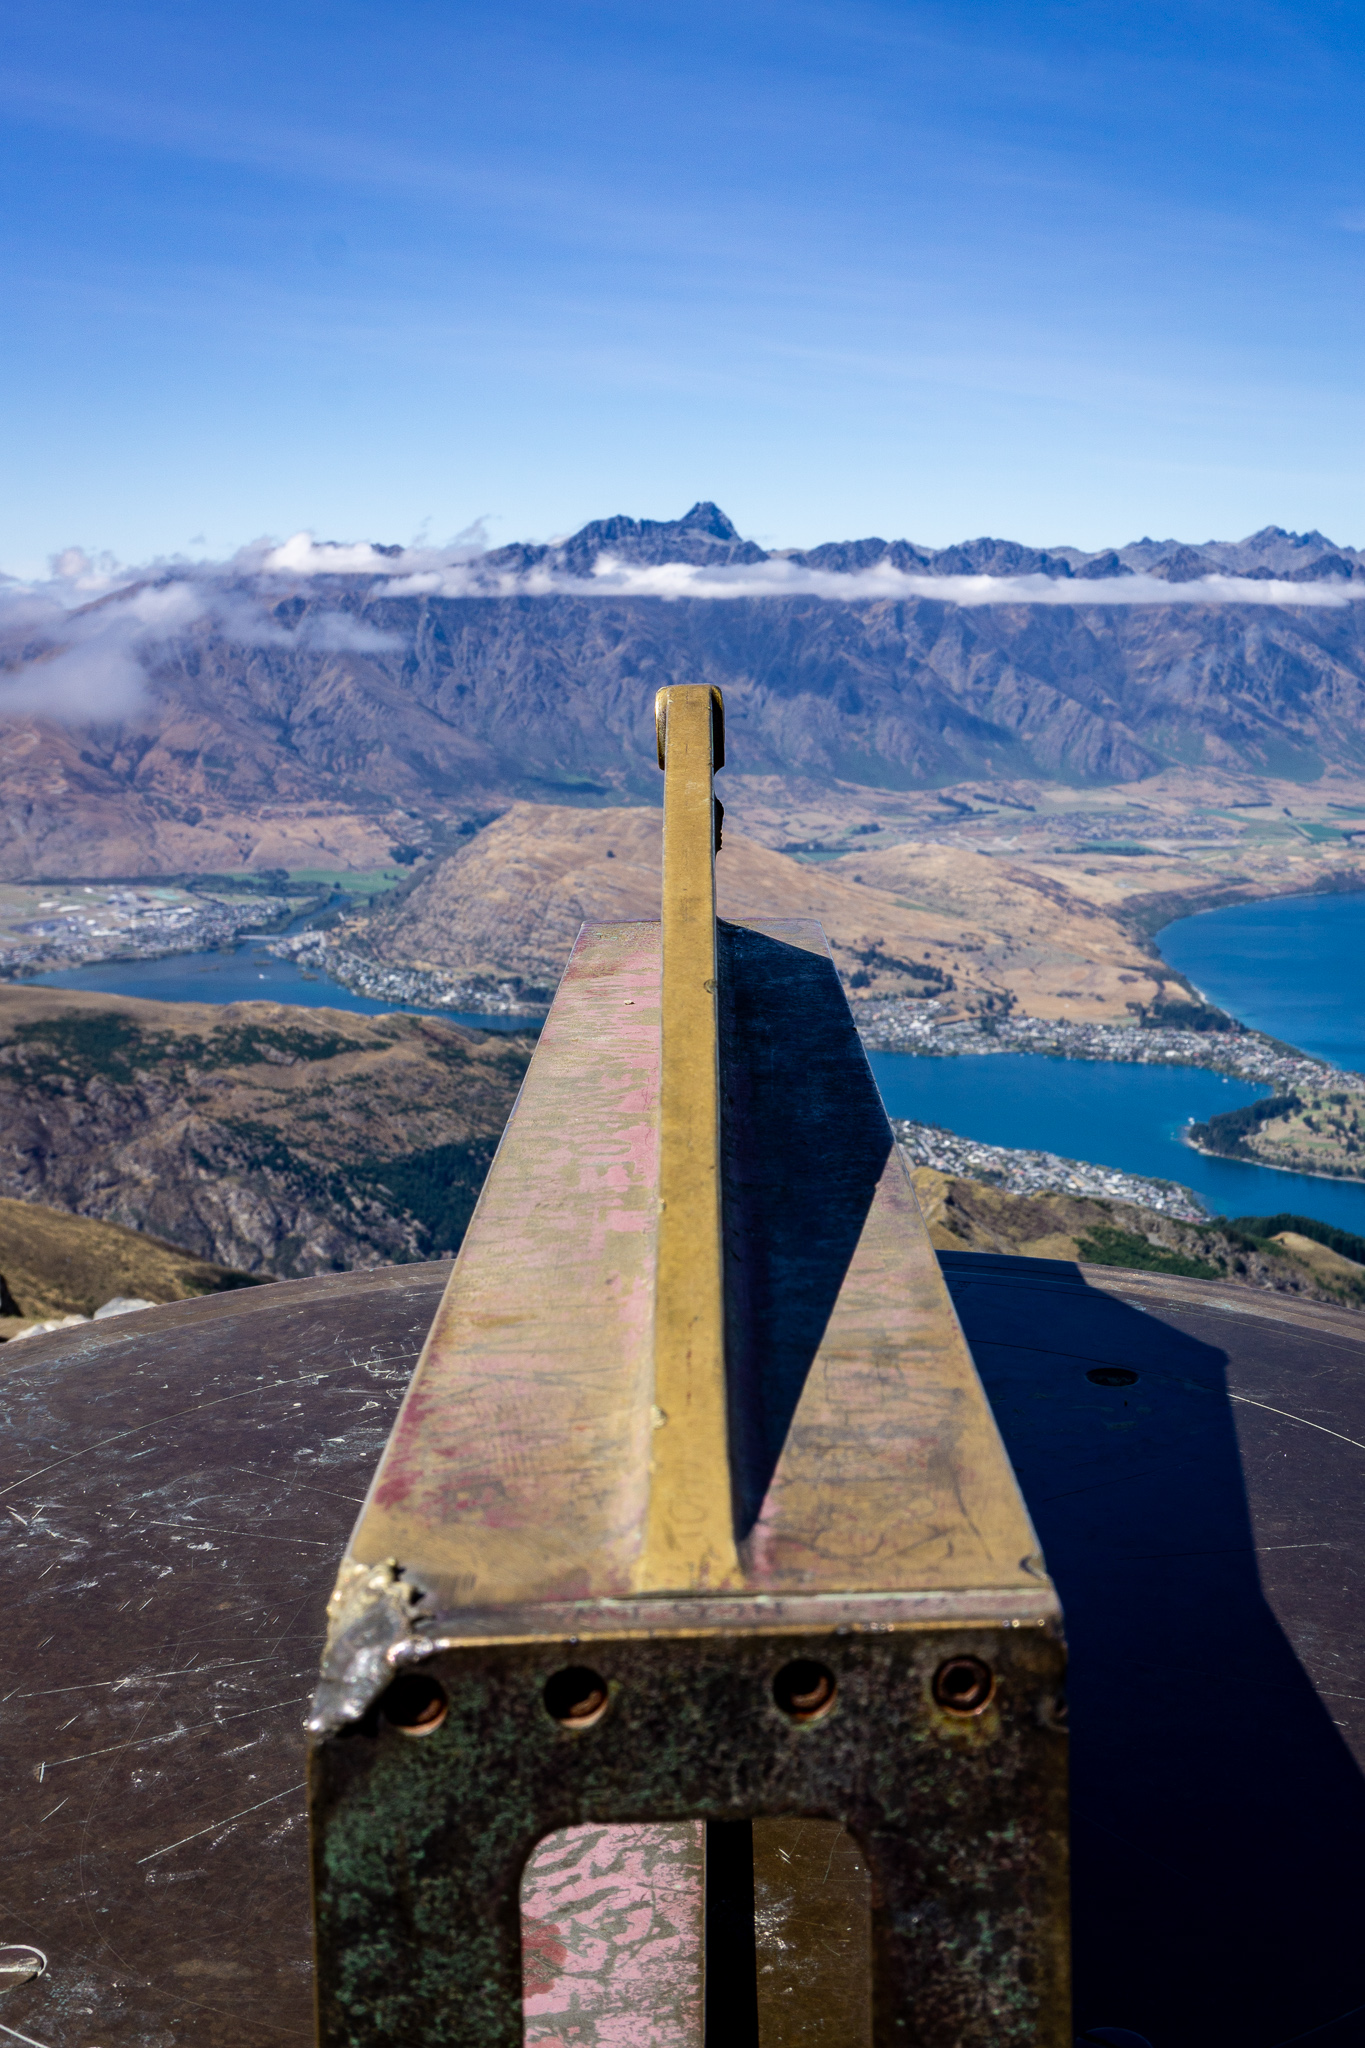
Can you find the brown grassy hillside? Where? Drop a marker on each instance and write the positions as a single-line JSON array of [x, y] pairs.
[[966, 1215], [52, 1264], [909, 921], [258, 1136]]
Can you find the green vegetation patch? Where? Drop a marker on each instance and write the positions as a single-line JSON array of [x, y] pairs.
[[245, 1045], [53, 1050], [452, 1049], [1106, 1245], [1344, 1242], [438, 1188], [1228, 1132], [1316, 832], [1323, 1132], [1129, 848], [872, 957], [262, 1150], [1173, 1013], [371, 883]]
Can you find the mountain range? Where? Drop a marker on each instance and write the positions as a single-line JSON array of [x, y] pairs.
[[706, 536], [314, 706]]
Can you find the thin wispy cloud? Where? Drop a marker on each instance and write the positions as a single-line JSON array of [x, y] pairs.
[[82, 645], [466, 570]]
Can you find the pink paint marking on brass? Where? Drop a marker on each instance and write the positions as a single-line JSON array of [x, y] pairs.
[[611, 1937], [528, 1418]]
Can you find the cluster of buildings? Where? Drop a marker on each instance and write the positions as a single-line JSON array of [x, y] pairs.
[[895, 1025], [1041, 1173], [419, 986], [79, 925]]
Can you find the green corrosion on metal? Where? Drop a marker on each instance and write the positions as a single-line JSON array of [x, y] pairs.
[[420, 1841]]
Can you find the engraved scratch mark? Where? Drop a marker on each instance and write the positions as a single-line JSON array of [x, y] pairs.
[[248, 1472], [140, 1678], [171, 1734], [256, 1535], [1247, 1400], [215, 1825], [157, 1422], [27, 2039]]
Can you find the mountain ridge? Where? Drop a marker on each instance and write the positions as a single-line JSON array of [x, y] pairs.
[[316, 704], [706, 534]]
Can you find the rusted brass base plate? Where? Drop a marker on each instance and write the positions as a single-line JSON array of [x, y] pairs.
[[420, 1841]]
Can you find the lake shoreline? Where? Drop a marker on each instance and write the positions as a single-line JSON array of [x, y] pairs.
[[1349, 1180], [902, 1025], [1028, 1170]]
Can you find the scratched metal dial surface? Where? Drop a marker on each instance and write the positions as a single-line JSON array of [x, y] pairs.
[[1192, 1456], [175, 1489], [1206, 1537]]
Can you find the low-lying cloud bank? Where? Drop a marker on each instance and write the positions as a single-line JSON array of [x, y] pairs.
[[78, 646], [675, 580]]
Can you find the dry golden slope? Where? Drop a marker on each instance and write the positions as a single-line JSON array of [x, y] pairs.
[[1058, 954], [52, 1265], [511, 902], [513, 899]]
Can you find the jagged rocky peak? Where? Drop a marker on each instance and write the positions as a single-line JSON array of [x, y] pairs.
[[1274, 551], [842, 557], [1184, 565], [704, 534], [705, 517]]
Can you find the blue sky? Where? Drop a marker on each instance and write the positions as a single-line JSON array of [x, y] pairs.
[[1071, 273]]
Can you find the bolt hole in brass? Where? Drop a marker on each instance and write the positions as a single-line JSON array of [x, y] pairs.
[[804, 1689], [19, 1964], [415, 1703], [576, 1697], [1112, 1376], [963, 1685]]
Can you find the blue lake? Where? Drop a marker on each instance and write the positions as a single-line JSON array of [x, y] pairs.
[[248, 974], [1110, 1113], [1294, 968]]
